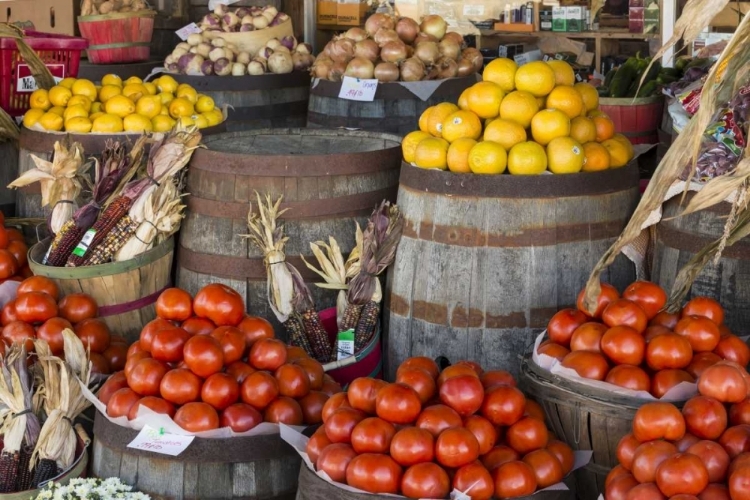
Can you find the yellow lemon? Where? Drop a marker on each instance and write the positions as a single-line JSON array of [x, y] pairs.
[[204, 103], [501, 71], [148, 106], [564, 74], [424, 118], [107, 124], [162, 123], [519, 107], [166, 97], [188, 93], [461, 124], [409, 144], [85, 88], [438, 115], [488, 157], [566, 99], [112, 79], [94, 116], [134, 91], [58, 110], [549, 124], [214, 117], [185, 121], [589, 95], [119, 105], [180, 107], [527, 158], [133, 79], [151, 88], [485, 98], [78, 125], [59, 96], [537, 78], [432, 153], [164, 111], [80, 100], [67, 82], [166, 83], [463, 100], [96, 107], [107, 92], [565, 155], [137, 123], [200, 121], [73, 111], [458, 155], [32, 116], [39, 99], [505, 132], [596, 157], [51, 121], [582, 129]]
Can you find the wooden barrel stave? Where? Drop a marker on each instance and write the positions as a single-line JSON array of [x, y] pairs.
[[477, 275]]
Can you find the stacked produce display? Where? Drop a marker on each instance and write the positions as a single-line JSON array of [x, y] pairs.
[[13, 250], [100, 7], [527, 120], [242, 19], [631, 78]]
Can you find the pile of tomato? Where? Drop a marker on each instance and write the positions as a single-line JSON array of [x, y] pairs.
[[630, 342], [14, 264], [431, 431], [701, 452], [38, 312], [207, 364]]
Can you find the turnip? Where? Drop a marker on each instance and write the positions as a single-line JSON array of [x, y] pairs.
[[194, 39], [217, 53], [190, 64], [222, 67], [280, 63], [238, 69]]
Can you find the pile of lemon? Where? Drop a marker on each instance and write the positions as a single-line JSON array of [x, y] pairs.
[[528, 120], [78, 106]]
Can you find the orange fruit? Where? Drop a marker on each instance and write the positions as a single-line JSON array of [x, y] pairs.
[[505, 132], [564, 156], [549, 124], [564, 74], [463, 100], [589, 95], [566, 99], [537, 78], [432, 153], [484, 99], [488, 157], [582, 129], [458, 155], [619, 153], [409, 144], [501, 71], [605, 129], [519, 107], [423, 119], [438, 116], [461, 124], [596, 157], [527, 158]]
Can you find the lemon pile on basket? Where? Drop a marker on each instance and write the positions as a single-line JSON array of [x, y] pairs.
[[527, 120], [78, 106]]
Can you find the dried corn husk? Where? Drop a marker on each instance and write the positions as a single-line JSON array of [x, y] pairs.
[[42, 75], [8, 128]]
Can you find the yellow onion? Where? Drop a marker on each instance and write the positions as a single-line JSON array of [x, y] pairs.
[[384, 36], [434, 25], [361, 68], [447, 68], [465, 67], [356, 34], [424, 37], [474, 56], [456, 37], [412, 70], [377, 21], [337, 71], [407, 29], [386, 72], [427, 52], [449, 48], [393, 52], [341, 50], [367, 49]]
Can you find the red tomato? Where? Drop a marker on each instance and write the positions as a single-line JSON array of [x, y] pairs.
[[456, 447], [436, 418], [341, 423], [180, 386], [455, 371], [374, 473], [232, 342], [739, 462], [134, 359], [241, 418], [668, 351], [474, 480], [267, 354], [514, 479], [701, 332], [39, 284], [76, 307], [553, 350], [714, 457], [136, 347], [619, 487], [704, 306], [623, 345], [294, 353], [701, 361], [587, 364], [255, 328], [739, 413], [647, 458], [146, 376], [203, 355], [527, 435], [483, 430], [650, 296], [547, 468], [314, 371], [283, 410], [419, 380], [398, 404], [534, 410], [732, 348], [623, 312], [715, 492], [167, 344], [665, 319], [240, 371], [607, 294], [664, 380], [473, 365], [114, 383], [99, 364], [723, 382], [563, 453], [293, 381], [121, 401], [626, 450], [497, 377], [736, 440], [658, 420], [317, 442], [148, 332], [629, 377], [425, 480], [705, 417], [562, 325], [645, 491], [8, 264], [18, 332], [198, 326], [259, 389], [503, 405], [116, 355], [362, 393], [463, 393], [35, 307], [157, 405], [499, 455], [220, 390], [334, 403], [427, 364], [411, 446], [686, 442], [197, 417], [174, 304], [312, 407], [9, 313], [20, 250], [654, 331], [372, 435], [334, 459], [219, 303], [94, 333], [588, 337], [683, 473], [330, 386]]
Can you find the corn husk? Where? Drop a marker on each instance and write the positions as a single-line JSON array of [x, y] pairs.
[[42, 75], [8, 128]]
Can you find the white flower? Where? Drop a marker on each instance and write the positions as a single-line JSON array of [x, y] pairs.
[[90, 489]]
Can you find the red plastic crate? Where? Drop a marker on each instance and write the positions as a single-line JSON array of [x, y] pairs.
[[61, 54]]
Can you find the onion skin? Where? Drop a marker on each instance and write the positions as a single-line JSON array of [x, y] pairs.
[[447, 68], [321, 67], [356, 34], [450, 49], [384, 36], [424, 37], [465, 67], [342, 51], [361, 68], [412, 70], [367, 49], [427, 52], [378, 21], [456, 37], [475, 57], [336, 72], [393, 52], [386, 72], [434, 25], [407, 29]]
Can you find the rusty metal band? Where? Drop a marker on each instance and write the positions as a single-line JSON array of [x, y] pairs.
[[515, 237], [450, 87], [202, 450], [237, 268], [694, 243], [353, 205], [246, 83], [520, 186]]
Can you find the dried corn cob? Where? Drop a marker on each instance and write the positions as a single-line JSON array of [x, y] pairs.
[[64, 243], [23, 481], [45, 470], [351, 316], [368, 319], [296, 333], [99, 231], [317, 335], [114, 240], [9, 462]]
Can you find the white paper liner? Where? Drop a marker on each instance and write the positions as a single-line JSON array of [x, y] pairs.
[[681, 392], [161, 421], [298, 441], [8, 291]]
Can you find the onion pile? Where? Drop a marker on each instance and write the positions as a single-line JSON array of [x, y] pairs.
[[397, 49], [242, 19]]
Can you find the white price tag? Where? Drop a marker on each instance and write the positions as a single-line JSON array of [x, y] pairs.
[[355, 89], [158, 441], [188, 30]]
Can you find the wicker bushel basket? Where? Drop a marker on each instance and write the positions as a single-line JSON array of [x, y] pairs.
[[587, 418]]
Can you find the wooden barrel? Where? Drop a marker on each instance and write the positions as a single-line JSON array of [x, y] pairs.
[[95, 72], [255, 102], [119, 37], [9, 154], [396, 109], [676, 240], [247, 468], [636, 118], [329, 179], [485, 261], [587, 418], [125, 291]]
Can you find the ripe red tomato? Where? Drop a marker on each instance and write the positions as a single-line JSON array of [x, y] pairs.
[[99, 364], [94, 333], [664, 380], [399, 403], [312, 407], [723, 382], [455, 371], [259, 389], [736, 440], [739, 462], [39, 284], [514, 479], [76, 307], [732, 348], [334, 403], [629, 377], [658, 420], [436, 418], [714, 492], [267, 354], [148, 332], [645, 491], [174, 304], [198, 326], [255, 328], [294, 353], [232, 342], [665, 319], [35, 307], [220, 390], [283, 410], [702, 333], [411, 446], [503, 405], [686, 442], [197, 417], [180, 386], [563, 453], [427, 364], [241, 418], [116, 355], [114, 383], [8, 314], [136, 347], [330, 386], [624, 312], [668, 351], [18, 332], [647, 458], [705, 417], [473, 480], [499, 455], [167, 344], [20, 250], [704, 306], [714, 457], [587, 364], [619, 487], [562, 325], [527, 435], [8, 264], [463, 393], [739, 483], [534, 410], [701, 361], [483, 430], [739, 413], [372, 435], [341, 423], [134, 359], [623, 345], [547, 468], [492, 378], [240, 371], [683, 473], [626, 450], [374, 473], [650, 296], [121, 401], [146, 376], [588, 337], [607, 294], [334, 459], [317, 442], [362, 393], [654, 331], [473, 365], [314, 371], [615, 472], [425, 480], [553, 350], [203, 355], [293, 381], [157, 405], [419, 380], [456, 447], [219, 303]]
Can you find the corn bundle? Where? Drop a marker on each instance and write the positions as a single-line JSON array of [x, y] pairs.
[[313, 338]]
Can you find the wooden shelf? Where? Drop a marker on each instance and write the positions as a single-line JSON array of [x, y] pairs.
[[601, 34], [335, 27]]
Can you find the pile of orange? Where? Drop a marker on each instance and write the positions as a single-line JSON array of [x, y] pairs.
[[527, 120]]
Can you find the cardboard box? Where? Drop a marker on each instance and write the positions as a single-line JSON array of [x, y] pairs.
[[545, 20], [351, 13], [559, 19], [574, 18], [327, 11], [651, 18], [410, 8], [47, 16], [635, 19]]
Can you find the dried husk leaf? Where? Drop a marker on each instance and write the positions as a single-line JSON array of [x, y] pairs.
[[41, 73]]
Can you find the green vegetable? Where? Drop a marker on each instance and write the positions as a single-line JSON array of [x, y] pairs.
[[623, 79], [699, 62], [653, 72], [682, 62], [648, 89], [603, 91], [671, 72], [665, 79], [608, 78]]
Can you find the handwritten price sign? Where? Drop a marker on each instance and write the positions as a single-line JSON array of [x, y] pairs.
[[158, 441], [355, 89]]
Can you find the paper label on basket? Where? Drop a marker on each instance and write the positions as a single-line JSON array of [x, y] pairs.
[[159, 441], [188, 30], [88, 237], [345, 344], [356, 89], [25, 81]]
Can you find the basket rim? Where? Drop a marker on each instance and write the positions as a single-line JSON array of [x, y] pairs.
[[118, 15]]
